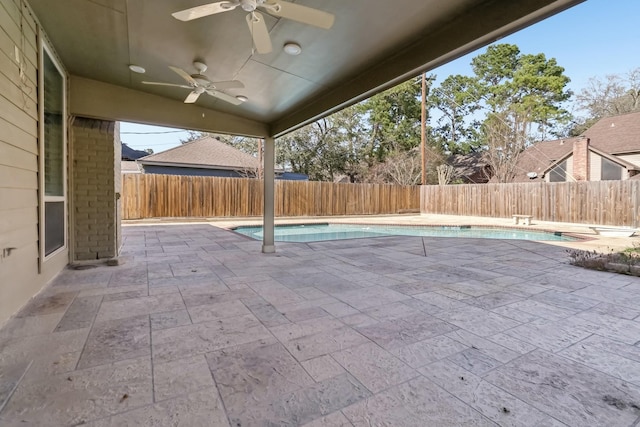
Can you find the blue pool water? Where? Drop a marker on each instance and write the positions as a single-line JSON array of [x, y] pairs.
[[319, 232]]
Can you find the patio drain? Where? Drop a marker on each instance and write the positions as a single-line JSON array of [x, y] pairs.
[[83, 267]]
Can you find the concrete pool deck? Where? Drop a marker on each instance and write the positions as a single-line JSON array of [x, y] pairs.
[[589, 239], [198, 328]]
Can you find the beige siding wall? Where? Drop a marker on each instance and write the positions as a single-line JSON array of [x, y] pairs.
[[20, 275], [570, 169], [595, 167], [632, 158], [94, 189]]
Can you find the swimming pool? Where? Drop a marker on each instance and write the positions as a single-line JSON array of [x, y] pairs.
[[302, 233]]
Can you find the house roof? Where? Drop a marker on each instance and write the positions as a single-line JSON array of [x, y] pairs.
[[470, 167], [129, 153], [206, 152], [538, 157], [610, 135], [372, 45], [617, 134], [128, 166]]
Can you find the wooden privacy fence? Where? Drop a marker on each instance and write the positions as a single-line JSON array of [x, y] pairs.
[[604, 202], [153, 196]]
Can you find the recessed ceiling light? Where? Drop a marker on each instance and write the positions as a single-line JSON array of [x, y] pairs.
[[292, 48], [242, 98], [137, 69]]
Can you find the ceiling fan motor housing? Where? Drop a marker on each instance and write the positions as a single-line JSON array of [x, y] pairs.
[[200, 79], [248, 5]]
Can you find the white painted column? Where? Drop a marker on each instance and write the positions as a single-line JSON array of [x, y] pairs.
[[268, 245]]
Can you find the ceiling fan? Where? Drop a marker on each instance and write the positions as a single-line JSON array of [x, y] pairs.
[[255, 20], [199, 84]]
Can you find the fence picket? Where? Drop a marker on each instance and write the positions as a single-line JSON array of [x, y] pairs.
[[167, 196], [603, 203]]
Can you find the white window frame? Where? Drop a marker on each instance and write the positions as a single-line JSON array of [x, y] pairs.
[[45, 48]]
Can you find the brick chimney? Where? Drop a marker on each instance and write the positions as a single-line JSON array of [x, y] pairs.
[[581, 159]]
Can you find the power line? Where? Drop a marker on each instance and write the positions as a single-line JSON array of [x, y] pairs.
[[152, 133], [143, 145]]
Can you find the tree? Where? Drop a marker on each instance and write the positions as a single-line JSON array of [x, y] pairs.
[[446, 174], [355, 140], [457, 99], [506, 135], [393, 120], [192, 135], [531, 85], [493, 71], [316, 150], [610, 96], [400, 167]]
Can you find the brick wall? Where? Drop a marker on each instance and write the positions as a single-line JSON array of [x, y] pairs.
[[93, 216], [581, 159]]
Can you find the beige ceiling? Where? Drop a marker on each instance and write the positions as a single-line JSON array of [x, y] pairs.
[[372, 45]]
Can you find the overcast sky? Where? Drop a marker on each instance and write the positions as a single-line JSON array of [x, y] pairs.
[[592, 39]]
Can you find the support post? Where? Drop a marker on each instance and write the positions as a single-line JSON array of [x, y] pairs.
[[423, 130], [268, 245]]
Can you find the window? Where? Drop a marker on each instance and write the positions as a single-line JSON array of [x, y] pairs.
[[610, 170], [558, 173], [53, 155]]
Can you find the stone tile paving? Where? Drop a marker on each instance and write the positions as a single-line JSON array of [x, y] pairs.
[[198, 328]]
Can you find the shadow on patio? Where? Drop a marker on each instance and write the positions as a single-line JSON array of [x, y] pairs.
[[199, 328]]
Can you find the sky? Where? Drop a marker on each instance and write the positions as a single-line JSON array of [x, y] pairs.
[[592, 39]]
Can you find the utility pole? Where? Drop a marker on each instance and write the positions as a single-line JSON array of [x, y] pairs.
[[423, 133]]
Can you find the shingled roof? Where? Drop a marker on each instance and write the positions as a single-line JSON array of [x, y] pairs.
[[207, 153], [129, 153], [540, 155], [611, 135], [617, 134]]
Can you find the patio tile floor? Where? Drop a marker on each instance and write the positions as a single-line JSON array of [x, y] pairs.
[[198, 328]]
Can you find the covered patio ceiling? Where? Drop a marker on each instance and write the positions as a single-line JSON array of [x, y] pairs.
[[372, 45]]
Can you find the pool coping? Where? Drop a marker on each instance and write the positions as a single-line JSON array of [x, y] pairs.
[[576, 237]]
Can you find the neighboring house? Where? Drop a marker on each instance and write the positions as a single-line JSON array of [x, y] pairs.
[[608, 150], [208, 156], [470, 168], [129, 156], [129, 166], [129, 153], [203, 157]]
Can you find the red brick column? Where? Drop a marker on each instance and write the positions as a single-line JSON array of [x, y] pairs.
[[581, 159]]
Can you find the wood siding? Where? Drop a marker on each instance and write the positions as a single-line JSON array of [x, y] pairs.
[[595, 167], [604, 203], [20, 274], [18, 157], [153, 196]]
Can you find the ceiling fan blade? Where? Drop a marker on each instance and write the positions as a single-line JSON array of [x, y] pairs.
[[299, 13], [166, 84], [205, 10], [231, 84], [223, 96], [192, 97], [259, 32], [182, 73]]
